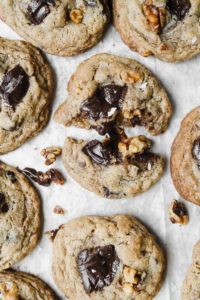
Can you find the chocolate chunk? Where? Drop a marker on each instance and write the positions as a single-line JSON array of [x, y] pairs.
[[91, 2], [45, 179], [179, 8], [4, 208], [98, 267], [104, 103], [97, 152], [11, 175], [14, 86], [38, 10], [144, 161], [196, 151]]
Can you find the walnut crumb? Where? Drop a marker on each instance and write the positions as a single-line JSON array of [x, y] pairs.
[[131, 146], [156, 16], [76, 15], [59, 210], [178, 213], [132, 280], [51, 154]]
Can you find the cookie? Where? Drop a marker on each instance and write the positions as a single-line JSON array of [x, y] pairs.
[[25, 92], [18, 285], [112, 170], [191, 285], [19, 216], [107, 258], [167, 29], [185, 158], [107, 88], [62, 28]]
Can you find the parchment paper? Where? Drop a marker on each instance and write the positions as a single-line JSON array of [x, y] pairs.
[[182, 82]]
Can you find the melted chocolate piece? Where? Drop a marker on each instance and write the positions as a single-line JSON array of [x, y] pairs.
[[11, 176], [97, 152], [144, 161], [179, 209], [4, 208], [38, 10], [179, 8], [98, 267], [104, 102], [196, 151], [14, 86], [45, 179]]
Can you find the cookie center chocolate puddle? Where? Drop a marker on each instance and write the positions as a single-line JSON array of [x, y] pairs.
[[178, 8], [14, 87], [196, 151], [98, 267], [38, 10], [3, 205], [104, 103]]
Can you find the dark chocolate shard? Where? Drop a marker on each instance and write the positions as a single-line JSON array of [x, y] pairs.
[[45, 179], [38, 10], [4, 208], [97, 152], [144, 161], [196, 151], [11, 176], [14, 86], [98, 267], [178, 8]]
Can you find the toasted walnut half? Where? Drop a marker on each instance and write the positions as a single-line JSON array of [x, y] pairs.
[[178, 213], [156, 16], [51, 154], [131, 146]]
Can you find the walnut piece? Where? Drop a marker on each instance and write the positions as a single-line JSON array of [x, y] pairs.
[[58, 210], [131, 146], [131, 76], [132, 280], [156, 16], [9, 293], [76, 15], [178, 213], [51, 154]]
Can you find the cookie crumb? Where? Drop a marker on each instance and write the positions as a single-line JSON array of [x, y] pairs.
[[58, 210], [178, 213], [51, 154], [52, 233]]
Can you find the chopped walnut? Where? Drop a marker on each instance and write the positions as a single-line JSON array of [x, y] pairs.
[[76, 15], [132, 114], [9, 293], [131, 76], [156, 16], [131, 146], [132, 280], [51, 154], [178, 213], [58, 210]]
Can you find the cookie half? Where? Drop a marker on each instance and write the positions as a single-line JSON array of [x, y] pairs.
[[18, 285], [185, 158], [59, 27], [167, 29], [191, 284], [107, 258], [107, 89], [25, 93], [19, 216], [113, 169]]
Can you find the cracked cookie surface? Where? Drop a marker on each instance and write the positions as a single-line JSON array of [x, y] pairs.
[[168, 29], [191, 284], [185, 157], [19, 216], [64, 28], [127, 261], [19, 285], [25, 93]]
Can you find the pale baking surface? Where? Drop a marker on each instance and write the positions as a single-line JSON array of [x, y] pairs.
[[183, 84]]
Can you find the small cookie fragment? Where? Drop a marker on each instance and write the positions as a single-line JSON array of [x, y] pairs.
[[51, 154], [178, 213]]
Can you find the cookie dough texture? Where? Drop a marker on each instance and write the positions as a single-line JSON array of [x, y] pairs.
[[114, 180], [18, 285], [134, 245], [31, 114], [57, 34], [19, 216], [191, 285], [178, 40], [144, 99], [184, 166]]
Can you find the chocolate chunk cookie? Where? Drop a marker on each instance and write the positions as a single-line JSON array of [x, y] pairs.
[[104, 258], [108, 88], [168, 29], [113, 169], [18, 286], [185, 158], [19, 216], [64, 28], [191, 285], [25, 93]]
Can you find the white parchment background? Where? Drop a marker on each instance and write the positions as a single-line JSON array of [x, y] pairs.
[[182, 82]]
